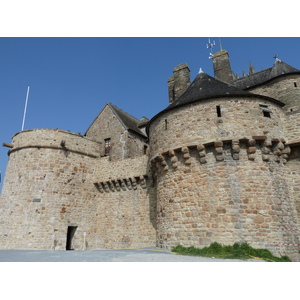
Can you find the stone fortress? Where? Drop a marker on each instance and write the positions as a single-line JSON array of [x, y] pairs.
[[220, 163]]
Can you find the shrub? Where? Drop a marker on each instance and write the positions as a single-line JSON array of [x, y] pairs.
[[236, 251]]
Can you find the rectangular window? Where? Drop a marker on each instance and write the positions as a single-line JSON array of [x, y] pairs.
[[107, 146], [218, 107], [295, 84], [266, 111], [145, 149]]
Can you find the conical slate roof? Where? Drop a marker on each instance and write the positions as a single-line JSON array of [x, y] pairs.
[[279, 68], [204, 87]]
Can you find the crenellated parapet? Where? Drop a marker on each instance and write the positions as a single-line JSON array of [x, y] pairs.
[[253, 148], [122, 184]]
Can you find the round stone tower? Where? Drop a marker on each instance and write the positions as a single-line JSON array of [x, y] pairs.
[[44, 199], [218, 158]]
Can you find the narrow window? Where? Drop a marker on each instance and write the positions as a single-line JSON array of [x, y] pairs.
[[166, 124], [295, 84], [145, 149], [107, 146], [218, 110], [266, 111]]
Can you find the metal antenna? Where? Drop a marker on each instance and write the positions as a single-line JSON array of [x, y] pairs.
[[210, 45], [220, 44], [25, 108]]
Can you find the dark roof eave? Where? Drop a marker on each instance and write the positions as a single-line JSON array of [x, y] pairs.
[[267, 81], [139, 134], [169, 108]]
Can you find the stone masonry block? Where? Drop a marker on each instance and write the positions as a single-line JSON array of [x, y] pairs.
[[185, 150], [218, 144], [200, 147], [236, 156], [219, 150], [203, 160], [251, 150], [236, 148], [252, 142]]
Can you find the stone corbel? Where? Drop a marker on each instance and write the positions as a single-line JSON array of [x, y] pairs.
[[143, 182], [285, 154], [133, 183], [235, 144], [116, 184], [266, 150], [186, 155], [100, 187], [105, 186], [251, 149], [202, 153], [219, 150], [111, 186], [128, 183], [174, 159], [122, 184]]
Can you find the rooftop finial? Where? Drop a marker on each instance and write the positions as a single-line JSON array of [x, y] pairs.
[[200, 71], [276, 58], [210, 45]]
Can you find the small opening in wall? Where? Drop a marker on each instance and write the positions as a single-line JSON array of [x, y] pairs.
[[145, 149], [107, 146], [218, 107], [166, 124], [70, 235], [266, 111], [295, 84]]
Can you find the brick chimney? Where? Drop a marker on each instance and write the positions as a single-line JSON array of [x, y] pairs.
[[222, 69], [178, 83]]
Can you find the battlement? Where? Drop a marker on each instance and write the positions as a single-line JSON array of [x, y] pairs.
[[257, 148]]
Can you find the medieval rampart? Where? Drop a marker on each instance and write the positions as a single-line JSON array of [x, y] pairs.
[[51, 195], [226, 183], [200, 122]]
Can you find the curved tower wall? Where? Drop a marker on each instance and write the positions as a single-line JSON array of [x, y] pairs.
[[58, 188], [199, 122], [223, 178], [287, 90], [45, 190]]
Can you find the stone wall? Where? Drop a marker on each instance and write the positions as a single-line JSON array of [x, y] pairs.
[[123, 143], [224, 178], [286, 89], [195, 123], [50, 187], [224, 198]]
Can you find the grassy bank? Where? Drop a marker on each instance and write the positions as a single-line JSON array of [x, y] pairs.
[[236, 251]]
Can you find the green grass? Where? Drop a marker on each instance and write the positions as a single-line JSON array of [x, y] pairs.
[[237, 251]]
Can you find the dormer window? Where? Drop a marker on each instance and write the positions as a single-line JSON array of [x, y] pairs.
[[266, 111]]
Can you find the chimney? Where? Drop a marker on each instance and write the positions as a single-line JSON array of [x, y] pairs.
[[222, 69], [178, 83]]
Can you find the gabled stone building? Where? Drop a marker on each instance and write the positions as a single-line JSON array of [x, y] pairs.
[[220, 163]]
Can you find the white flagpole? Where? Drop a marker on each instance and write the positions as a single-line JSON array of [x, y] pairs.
[[25, 108]]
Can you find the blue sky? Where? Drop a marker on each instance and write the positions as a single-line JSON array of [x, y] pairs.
[[71, 79]]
